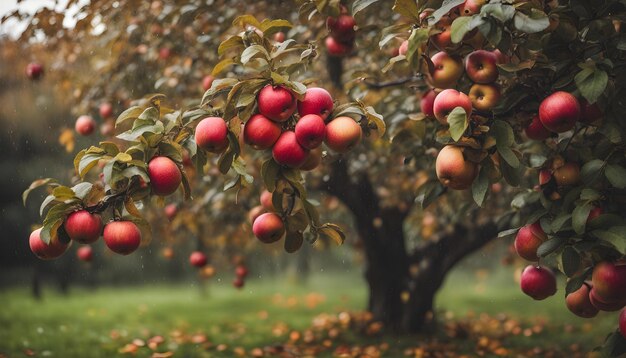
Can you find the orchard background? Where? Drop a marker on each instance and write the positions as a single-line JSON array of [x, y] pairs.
[[359, 178]]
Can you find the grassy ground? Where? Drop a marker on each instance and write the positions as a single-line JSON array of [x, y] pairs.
[[100, 323]]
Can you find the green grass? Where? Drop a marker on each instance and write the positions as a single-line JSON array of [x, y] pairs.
[[80, 325]]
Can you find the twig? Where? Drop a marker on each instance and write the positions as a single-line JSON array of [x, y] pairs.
[[397, 82]]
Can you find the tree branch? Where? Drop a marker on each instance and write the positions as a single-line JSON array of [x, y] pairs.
[[398, 82]]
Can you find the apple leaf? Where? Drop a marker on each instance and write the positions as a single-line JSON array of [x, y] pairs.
[[131, 113], [570, 261], [480, 187], [416, 40], [409, 8], [574, 283], [591, 81], [293, 241], [461, 26], [444, 9], [589, 171], [614, 236], [501, 12], [535, 22], [457, 119], [549, 246], [359, 5], [579, 217], [36, 184], [616, 175]]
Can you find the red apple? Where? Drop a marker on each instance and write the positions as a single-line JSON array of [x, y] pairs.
[[341, 27], [45, 251], [310, 131], [212, 134], [85, 125], [502, 58], [260, 132], [276, 103], [279, 37], [238, 282], [609, 282], [106, 110], [471, 7], [170, 211], [453, 170], [313, 159], [600, 304], [443, 39], [536, 130], [266, 201], [207, 81], [594, 213], [83, 227], [34, 71], [590, 113], [241, 271], [107, 129], [484, 97], [164, 53], [528, 239], [122, 237], [165, 177], [336, 48], [197, 259], [85, 253], [568, 174], [559, 112], [481, 66], [342, 134], [255, 213], [288, 152], [448, 100], [544, 176], [538, 282], [447, 70], [268, 228], [404, 48], [316, 101], [579, 303], [427, 101]]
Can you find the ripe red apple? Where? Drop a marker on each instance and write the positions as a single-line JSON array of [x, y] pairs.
[[471, 7], [568, 174], [165, 177], [197, 259], [207, 81], [106, 110], [238, 282], [404, 48], [609, 282], [578, 302], [453, 170], [427, 101], [288, 152], [260, 132], [481, 66], [83, 227], [594, 213], [341, 27], [107, 129], [266, 201], [342, 134], [45, 251], [279, 37], [484, 97], [85, 125], [164, 53], [255, 212], [443, 39], [122, 237], [313, 159], [528, 239], [600, 304], [212, 134], [241, 271], [336, 48], [447, 70], [310, 131], [536, 130], [538, 282], [34, 71], [448, 100], [316, 101], [268, 228], [170, 211], [85, 253], [622, 323], [590, 113], [544, 176], [559, 112], [276, 103], [502, 58]]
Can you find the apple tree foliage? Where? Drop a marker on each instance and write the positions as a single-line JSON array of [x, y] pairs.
[[545, 47]]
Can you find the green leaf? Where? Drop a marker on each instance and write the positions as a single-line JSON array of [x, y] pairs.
[[133, 134], [570, 261], [507, 233], [226, 161], [444, 9], [457, 119], [254, 51], [589, 195], [574, 283], [428, 193], [409, 8], [590, 170], [87, 162], [311, 212], [579, 217], [614, 236], [616, 175], [559, 221], [359, 5], [81, 190], [503, 133], [549, 246], [375, 118], [131, 113], [460, 27], [36, 184], [535, 22], [591, 82], [416, 40], [222, 65], [228, 44], [270, 27], [502, 12], [293, 241], [480, 187]]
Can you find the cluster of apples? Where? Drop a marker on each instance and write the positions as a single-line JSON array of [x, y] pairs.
[[122, 237], [267, 225], [85, 124], [241, 272], [340, 40], [453, 170]]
